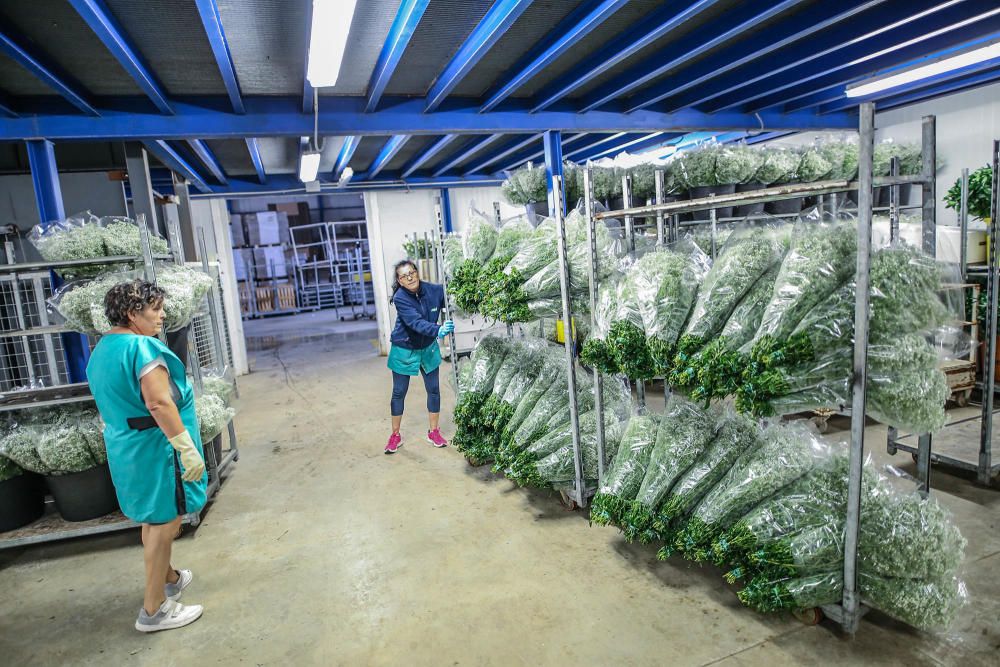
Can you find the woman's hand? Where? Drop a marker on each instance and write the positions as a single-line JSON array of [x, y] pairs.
[[446, 328]]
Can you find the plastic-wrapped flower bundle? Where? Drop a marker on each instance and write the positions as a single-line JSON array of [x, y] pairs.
[[454, 254], [121, 237], [628, 469], [696, 167], [735, 436], [85, 236], [780, 166], [766, 594], [843, 158], [512, 232], [213, 416], [480, 239], [926, 604], [813, 166], [737, 164], [786, 453], [525, 186], [60, 441], [9, 469], [218, 385], [684, 432]]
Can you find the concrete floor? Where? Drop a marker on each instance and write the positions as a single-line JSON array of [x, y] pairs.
[[320, 550]]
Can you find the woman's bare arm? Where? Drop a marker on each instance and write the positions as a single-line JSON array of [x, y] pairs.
[[160, 403]]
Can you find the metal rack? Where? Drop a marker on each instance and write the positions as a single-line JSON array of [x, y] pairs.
[[50, 527], [959, 449], [848, 613], [336, 272]]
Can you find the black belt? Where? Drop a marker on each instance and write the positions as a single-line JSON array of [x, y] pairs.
[[141, 423]]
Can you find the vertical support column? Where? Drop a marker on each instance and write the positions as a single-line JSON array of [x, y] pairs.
[[137, 164], [453, 358], [48, 197], [892, 431], [992, 284], [446, 211], [963, 224], [928, 228], [567, 313], [552, 141], [661, 236], [866, 149], [640, 386], [588, 198], [187, 243]]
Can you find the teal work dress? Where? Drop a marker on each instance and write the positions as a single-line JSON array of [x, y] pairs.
[[144, 466]]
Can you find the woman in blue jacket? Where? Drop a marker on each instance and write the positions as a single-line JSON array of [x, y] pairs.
[[419, 306]]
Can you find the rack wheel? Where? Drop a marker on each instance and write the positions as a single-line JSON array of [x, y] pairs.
[[808, 616], [568, 503]]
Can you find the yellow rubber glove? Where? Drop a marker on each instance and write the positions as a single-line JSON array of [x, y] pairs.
[[194, 465]]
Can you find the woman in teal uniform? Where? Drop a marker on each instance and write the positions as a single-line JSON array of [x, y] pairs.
[[415, 351], [153, 441]]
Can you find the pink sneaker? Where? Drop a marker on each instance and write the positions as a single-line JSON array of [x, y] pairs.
[[434, 437], [395, 442]]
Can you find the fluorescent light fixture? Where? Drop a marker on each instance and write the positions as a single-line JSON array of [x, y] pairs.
[[308, 166], [345, 177], [331, 24], [936, 66]]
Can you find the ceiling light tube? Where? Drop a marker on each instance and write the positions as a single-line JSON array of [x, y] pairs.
[[345, 177], [331, 24], [308, 166], [934, 67]]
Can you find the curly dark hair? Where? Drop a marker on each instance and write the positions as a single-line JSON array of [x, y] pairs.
[[130, 297]]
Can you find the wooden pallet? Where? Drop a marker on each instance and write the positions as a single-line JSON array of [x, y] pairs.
[[961, 376]]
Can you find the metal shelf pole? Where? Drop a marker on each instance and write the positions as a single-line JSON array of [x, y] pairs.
[[992, 283], [928, 227], [453, 358], [963, 223], [851, 606], [580, 490], [640, 386], [588, 194], [661, 237]]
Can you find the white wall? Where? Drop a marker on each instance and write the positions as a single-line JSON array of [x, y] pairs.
[[393, 215], [80, 192]]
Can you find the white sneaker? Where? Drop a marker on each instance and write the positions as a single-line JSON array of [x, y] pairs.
[[173, 591], [170, 615]]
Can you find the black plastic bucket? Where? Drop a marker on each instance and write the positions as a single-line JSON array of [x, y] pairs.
[[748, 209], [86, 495], [22, 500], [785, 206]]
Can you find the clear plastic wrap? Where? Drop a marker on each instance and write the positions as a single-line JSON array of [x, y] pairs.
[[780, 166], [217, 384], [748, 253], [487, 359], [525, 186], [85, 236], [512, 232], [786, 453], [905, 386], [929, 605], [666, 284], [58, 441], [737, 163], [480, 238], [684, 432], [842, 154], [8, 469], [627, 470], [559, 466], [536, 251], [821, 259], [813, 165], [744, 321], [454, 254], [213, 416], [81, 303], [769, 595], [735, 436]]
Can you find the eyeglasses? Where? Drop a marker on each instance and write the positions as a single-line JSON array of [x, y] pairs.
[[409, 275]]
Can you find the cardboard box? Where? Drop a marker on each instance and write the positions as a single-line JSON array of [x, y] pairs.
[[283, 234], [270, 262], [237, 231], [262, 228], [242, 262]]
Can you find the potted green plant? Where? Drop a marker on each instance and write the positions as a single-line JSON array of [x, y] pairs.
[[980, 192], [780, 166]]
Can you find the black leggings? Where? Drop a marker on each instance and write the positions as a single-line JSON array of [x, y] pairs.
[[401, 383]]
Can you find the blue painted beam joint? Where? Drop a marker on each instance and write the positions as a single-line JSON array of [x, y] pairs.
[[554, 167]]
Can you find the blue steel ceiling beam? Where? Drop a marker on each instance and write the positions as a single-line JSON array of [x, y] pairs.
[[282, 116], [173, 160], [797, 27], [428, 154], [508, 148], [254, 149], [107, 29], [474, 147], [49, 75], [561, 39], [633, 39], [388, 152], [979, 79], [925, 20], [500, 17], [882, 19], [843, 102], [308, 92], [726, 28], [407, 18], [285, 183], [890, 56], [208, 159], [210, 19], [346, 153]]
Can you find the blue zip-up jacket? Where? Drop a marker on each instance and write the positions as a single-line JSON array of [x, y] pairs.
[[417, 316]]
